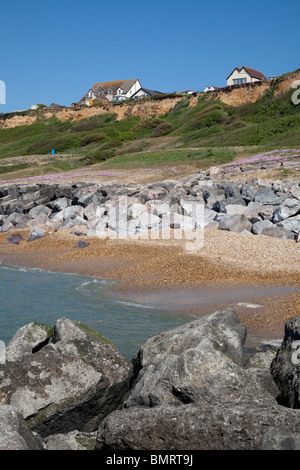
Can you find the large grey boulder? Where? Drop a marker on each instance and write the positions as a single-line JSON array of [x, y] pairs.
[[235, 223], [288, 208], [15, 433], [68, 384], [190, 427], [39, 210]]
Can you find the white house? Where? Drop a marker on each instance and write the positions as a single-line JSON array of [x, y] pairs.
[[210, 88], [245, 75], [111, 91], [145, 92]]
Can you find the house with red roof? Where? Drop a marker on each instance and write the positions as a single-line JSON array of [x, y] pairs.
[[119, 90], [244, 74]]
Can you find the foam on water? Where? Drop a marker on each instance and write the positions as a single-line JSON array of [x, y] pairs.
[[28, 295]]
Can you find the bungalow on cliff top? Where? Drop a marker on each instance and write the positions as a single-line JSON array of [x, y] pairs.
[[245, 75], [111, 91]]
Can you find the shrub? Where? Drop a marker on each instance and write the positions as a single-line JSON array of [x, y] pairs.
[[90, 138], [162, 129]]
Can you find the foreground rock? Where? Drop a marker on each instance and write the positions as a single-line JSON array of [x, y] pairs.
[[285, 367], [68, 384], [14, 432], [193, 387], [192, 391]]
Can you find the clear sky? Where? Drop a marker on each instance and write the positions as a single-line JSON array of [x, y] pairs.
[[54, 51]]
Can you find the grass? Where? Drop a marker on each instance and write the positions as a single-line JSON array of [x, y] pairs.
[[151, 158], [204, 133]]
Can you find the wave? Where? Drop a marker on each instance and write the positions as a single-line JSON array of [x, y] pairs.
[[133, 304]]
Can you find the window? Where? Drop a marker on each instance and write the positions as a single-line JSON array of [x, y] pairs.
[[238, 81]]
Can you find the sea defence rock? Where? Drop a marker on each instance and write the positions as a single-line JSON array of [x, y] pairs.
[[285, 367], [14, 432], [252, 206], [70, 383], [192, 390]]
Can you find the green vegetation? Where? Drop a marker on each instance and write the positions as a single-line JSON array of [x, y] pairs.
[[207, 131]]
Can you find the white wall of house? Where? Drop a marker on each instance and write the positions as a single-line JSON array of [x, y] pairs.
[[136, 86], [240, 77]]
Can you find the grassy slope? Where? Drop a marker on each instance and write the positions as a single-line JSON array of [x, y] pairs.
[[205, 133]]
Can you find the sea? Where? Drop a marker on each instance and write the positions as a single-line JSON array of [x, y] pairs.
[[34, 295]]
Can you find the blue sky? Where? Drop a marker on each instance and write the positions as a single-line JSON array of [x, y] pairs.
[[54, 51]]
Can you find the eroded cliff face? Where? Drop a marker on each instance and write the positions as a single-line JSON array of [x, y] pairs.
[[137, 108], [233, 96], [238, 95]]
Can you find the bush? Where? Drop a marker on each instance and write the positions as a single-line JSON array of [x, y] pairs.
[[90, 138], [162, 129]]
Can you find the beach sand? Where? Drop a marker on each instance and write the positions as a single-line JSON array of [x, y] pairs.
[[229, 269]]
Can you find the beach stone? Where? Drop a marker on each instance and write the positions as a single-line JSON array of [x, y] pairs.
[[37, 232], [6, 226], [259, 226], [22, 221], [41, 219], [288, 208], [73, 211], [235, 223], [39, 210], [15, 433], [213, 196], [267, 213], [277, 232], [69, 384], [82, 244], [235, 209], [93, 210], [15, 238], [60, 204], [136, 209], [291, 224], [147, 220]]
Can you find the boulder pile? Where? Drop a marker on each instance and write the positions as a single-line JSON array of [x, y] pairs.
[[250, 206], [193, 387]]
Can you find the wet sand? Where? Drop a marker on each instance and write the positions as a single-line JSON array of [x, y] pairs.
[[230, 269]]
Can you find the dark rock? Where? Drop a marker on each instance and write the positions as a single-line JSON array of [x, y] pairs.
[[68, 384], [15, 238], [285, 367], [81, 244]]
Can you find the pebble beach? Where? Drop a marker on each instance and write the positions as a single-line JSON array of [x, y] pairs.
[[265, 270]]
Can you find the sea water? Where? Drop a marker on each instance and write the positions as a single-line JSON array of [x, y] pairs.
[[33, 295]]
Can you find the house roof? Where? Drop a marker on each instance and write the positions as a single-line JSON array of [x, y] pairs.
[[115, 85], [252, 72], [148, 92]]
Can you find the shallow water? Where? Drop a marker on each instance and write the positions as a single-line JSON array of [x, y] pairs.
[[28, 295]]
